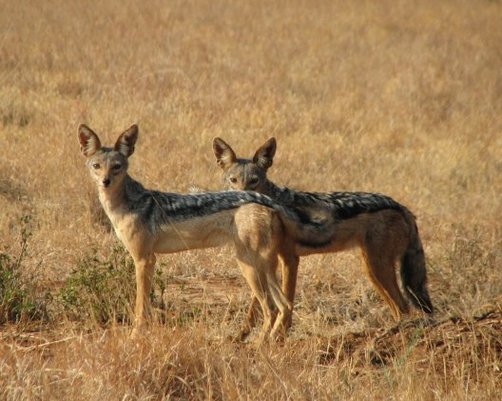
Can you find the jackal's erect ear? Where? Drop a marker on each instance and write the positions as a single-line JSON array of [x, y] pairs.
[[126, 141], [225, 156], [264, 156], [89, 141]]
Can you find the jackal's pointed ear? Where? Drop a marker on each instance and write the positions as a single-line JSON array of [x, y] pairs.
[[89, 141], [225, 156], [264, 156], [126, 141]]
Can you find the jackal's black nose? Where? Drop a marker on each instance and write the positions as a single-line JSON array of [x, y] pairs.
[[106, 182]]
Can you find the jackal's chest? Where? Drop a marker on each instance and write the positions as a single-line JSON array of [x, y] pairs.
[[124, 229], [126, 225]]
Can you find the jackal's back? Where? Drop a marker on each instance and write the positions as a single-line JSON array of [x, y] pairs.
[[344, 205], [156, 208]]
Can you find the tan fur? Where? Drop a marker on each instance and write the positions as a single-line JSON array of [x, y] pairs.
[[255, 231], [383, 236]]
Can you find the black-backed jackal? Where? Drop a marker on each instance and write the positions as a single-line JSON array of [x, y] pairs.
[[150, 222], [385, 231]]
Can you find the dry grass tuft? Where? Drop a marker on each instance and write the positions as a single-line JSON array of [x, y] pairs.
[[389, 96]]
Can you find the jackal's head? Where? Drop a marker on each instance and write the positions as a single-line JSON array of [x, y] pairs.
[[108, 166], [244, 174]]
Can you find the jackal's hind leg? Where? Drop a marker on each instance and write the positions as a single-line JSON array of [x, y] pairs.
[[283, 320], [381, 271], [252, 316], [257, 280], [289, 272]]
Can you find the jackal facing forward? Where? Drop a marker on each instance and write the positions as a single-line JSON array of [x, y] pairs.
[[150, 222], [385, 231]]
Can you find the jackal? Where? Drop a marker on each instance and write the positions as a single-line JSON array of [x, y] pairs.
[[150, 222], [385, 231]]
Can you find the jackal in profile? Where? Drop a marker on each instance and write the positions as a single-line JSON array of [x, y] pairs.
[[384, 230], [150, 222]]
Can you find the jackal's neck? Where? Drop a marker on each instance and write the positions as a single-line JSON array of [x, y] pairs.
[[119, 197]]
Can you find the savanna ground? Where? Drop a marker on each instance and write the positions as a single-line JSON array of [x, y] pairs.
[[399, 97]]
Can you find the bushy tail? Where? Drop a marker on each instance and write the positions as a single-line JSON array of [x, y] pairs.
[[414, 275]]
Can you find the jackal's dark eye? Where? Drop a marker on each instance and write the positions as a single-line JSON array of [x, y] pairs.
[[233, 180], [116, 166], [253, 181], [96, 166]]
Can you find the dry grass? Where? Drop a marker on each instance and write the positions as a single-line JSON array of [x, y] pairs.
[[389, 96]]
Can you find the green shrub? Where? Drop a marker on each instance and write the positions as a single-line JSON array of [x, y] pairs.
[[104, 289], [17, 299]]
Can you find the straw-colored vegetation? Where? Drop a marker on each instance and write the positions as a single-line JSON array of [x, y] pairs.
[[399, 97]]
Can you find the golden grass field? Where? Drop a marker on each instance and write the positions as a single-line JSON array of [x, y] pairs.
[[399, 97]]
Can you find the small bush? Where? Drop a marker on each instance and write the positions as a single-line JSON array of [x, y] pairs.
[[17, 300], [104, 289], [14, 300]]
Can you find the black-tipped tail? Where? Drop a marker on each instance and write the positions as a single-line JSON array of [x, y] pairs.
[[414, 276]]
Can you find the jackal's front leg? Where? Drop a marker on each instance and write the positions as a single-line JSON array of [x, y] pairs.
[[144, 276]]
